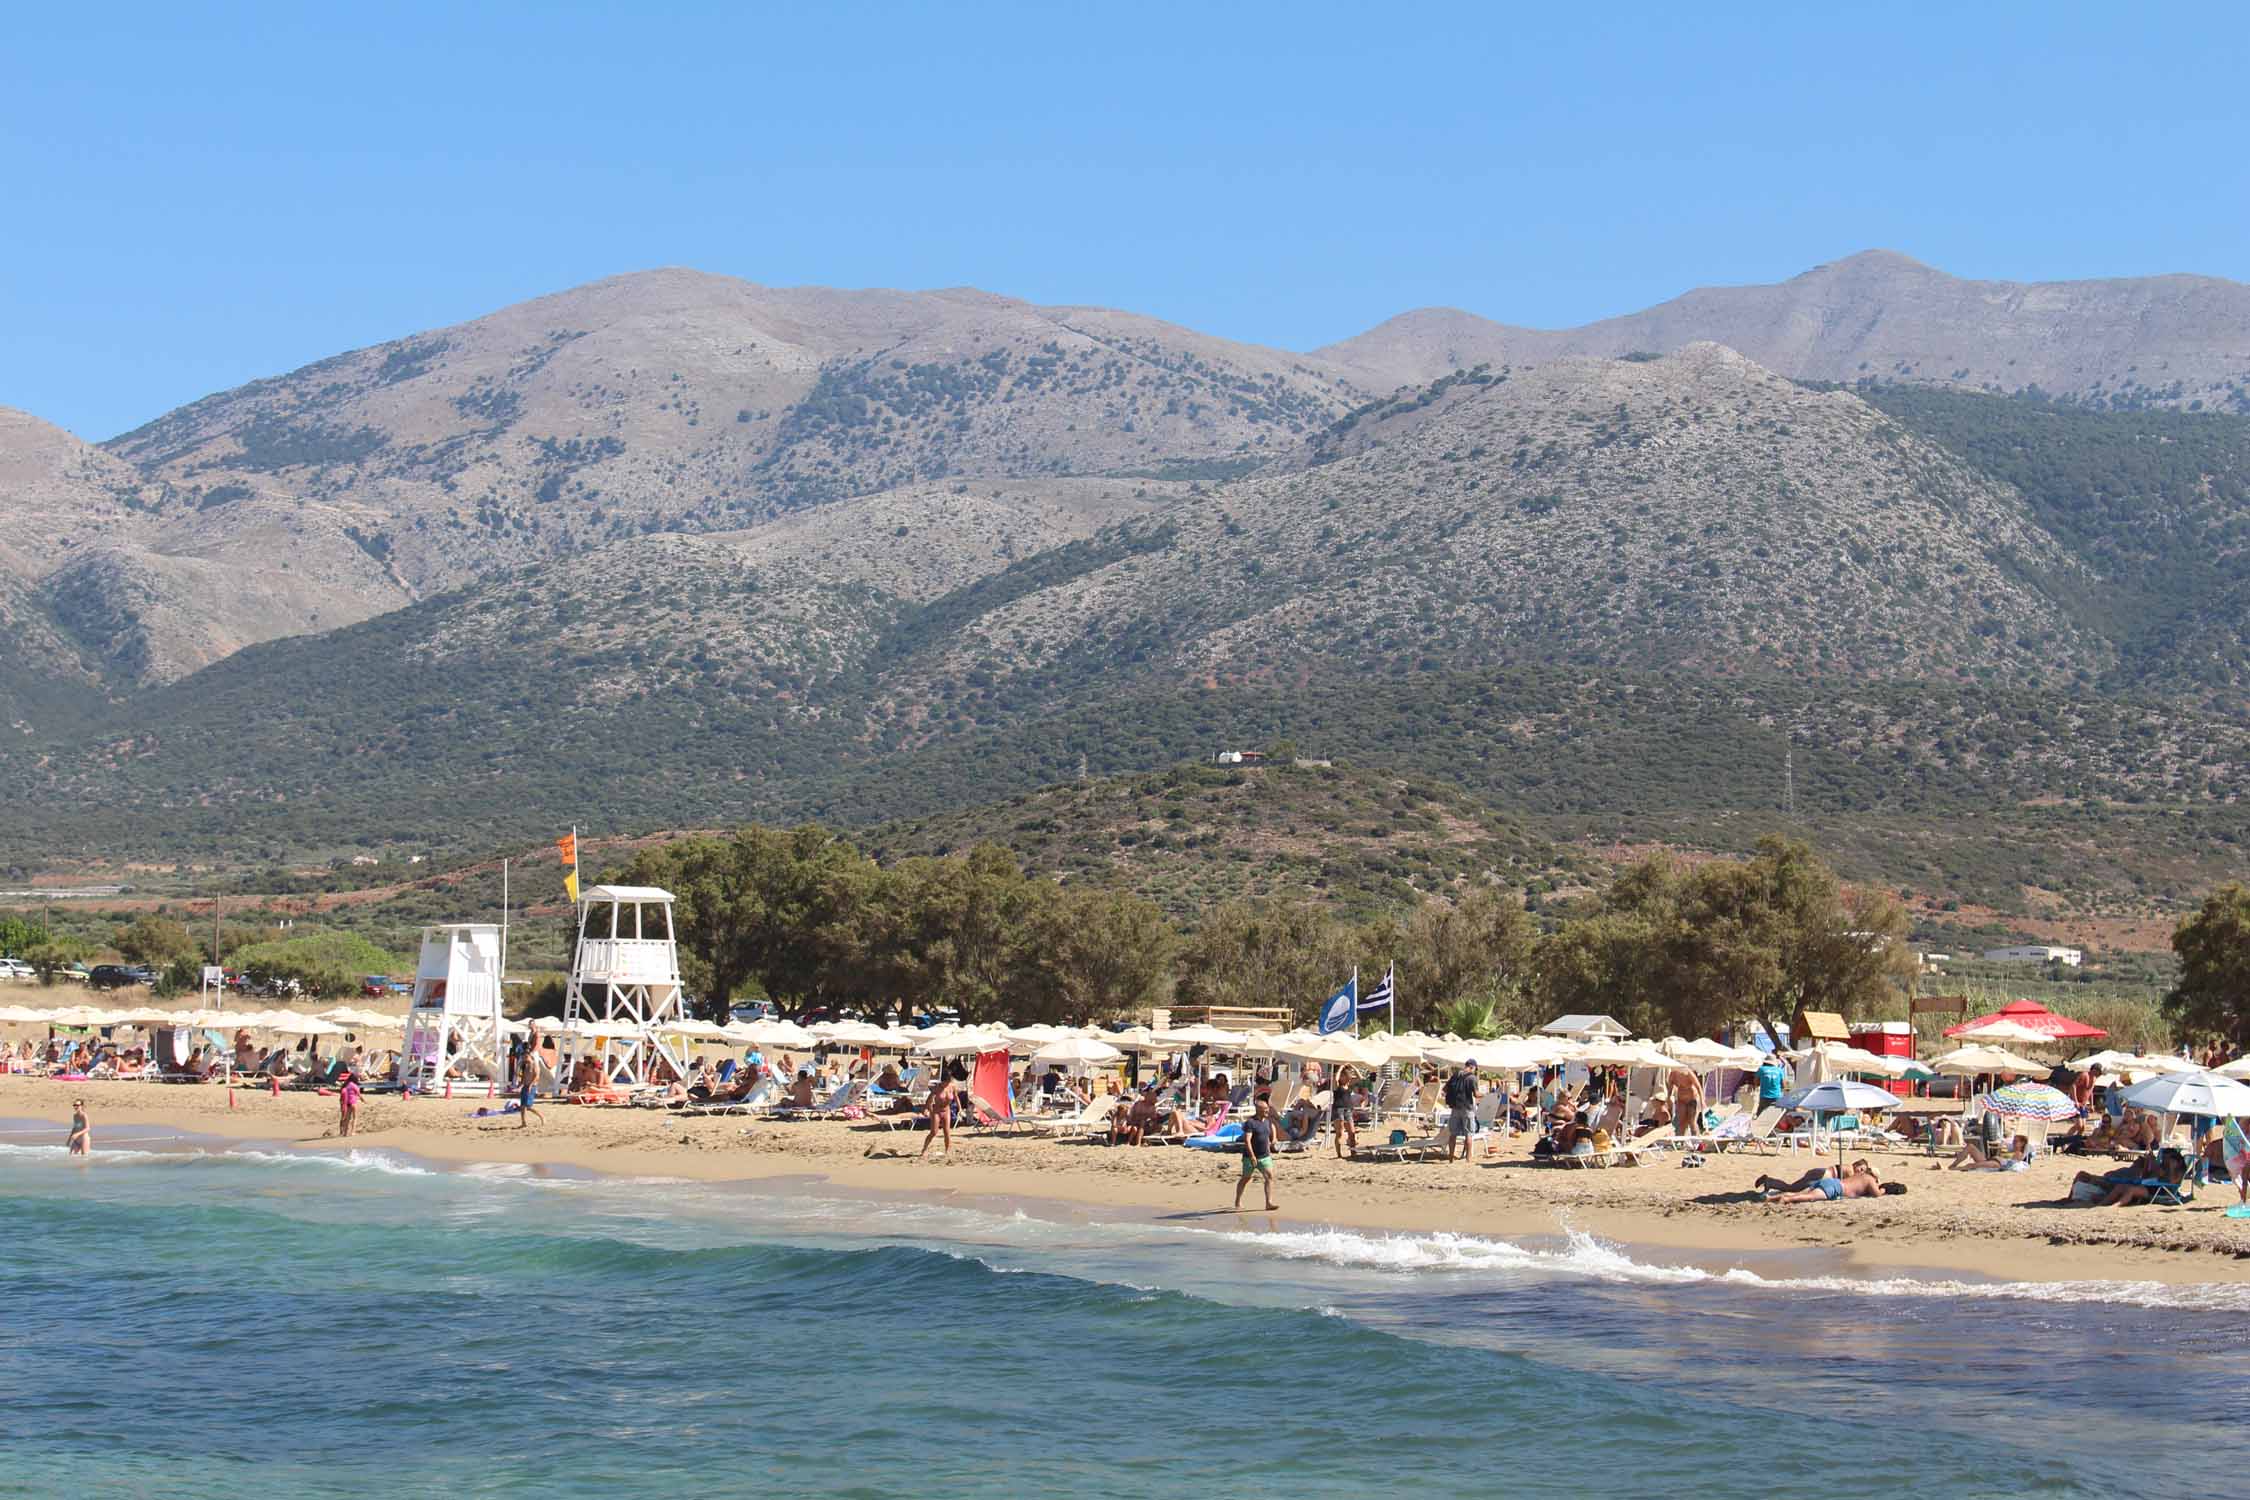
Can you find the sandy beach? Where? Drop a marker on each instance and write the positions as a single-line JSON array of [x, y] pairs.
[[1998, 1225]]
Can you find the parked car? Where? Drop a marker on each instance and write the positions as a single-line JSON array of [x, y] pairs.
[[111, 977], [16, 968], [753, 1010], [375, 986], [75, 973]]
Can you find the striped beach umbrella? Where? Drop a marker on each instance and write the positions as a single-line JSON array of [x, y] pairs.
[[2030, 1101]]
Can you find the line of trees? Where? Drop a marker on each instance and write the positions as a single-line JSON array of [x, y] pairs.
[[804, 918]]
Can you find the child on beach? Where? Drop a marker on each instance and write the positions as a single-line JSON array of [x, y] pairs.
[[347, 1101], [81, 1140]]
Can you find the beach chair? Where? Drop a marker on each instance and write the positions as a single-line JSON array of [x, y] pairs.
[[1092, 1120], [1480, 1126], [846, 1093], [2162, 1194], [1390, 1099], [1748, 1132], [1418, 1147]]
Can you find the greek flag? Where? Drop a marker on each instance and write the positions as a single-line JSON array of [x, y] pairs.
[[1339, 1010], [1379, 998]]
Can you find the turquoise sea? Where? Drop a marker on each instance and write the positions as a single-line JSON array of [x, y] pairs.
[[185, 1320]]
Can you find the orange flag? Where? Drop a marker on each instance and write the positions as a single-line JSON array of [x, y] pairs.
[[568, 844]]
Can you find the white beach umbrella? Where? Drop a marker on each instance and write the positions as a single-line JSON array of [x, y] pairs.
[[1983, 1060], [775, 1032], [2111, 1061], [1393, 1047], [1134, 1039], [2192, 1093], [292, 1023], [2239, 1068], [1702, 1052], [21, 1015], [353, 1018], [2006, 1031], [1333, 1048], [1076, 1052], [1623, 1054], [1199, 1035]]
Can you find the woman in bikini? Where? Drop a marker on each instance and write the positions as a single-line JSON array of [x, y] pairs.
[[940, 1106]]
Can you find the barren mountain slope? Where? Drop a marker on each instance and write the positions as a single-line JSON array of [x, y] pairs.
[[1880, 315], [1694, 512], [127, 581], [679, 401]]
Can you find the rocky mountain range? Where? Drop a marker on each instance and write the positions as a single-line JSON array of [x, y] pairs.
[[673, 539], [1879, 316]]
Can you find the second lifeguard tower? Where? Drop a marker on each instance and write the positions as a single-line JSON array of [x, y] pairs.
[[625, 982]]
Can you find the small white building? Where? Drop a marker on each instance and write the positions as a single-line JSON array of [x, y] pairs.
[[2036, 954]]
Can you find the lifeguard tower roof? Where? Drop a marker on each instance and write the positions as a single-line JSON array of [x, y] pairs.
[[624, 893]]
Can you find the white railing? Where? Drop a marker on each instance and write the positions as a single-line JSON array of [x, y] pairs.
[[627, 961]]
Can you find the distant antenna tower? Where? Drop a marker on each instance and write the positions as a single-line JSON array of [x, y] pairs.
[[1081, 768], [1789, 776]]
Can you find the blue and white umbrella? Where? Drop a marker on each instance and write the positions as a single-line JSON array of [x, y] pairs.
[[2030, 1101], [2196, 1093], [1839, 1094]]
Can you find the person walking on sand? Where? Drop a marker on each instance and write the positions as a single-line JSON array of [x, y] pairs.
[[81, 1142], [940, 1106], [347, 1103], [1257, 1154], [527, 1097]]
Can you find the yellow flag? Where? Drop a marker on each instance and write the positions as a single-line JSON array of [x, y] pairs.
[[570, 884], [568, 844]]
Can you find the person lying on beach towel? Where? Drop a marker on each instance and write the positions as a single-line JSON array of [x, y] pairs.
[[1809, 1180], [1862, 1182]]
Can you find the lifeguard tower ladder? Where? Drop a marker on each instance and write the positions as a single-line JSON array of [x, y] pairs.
[[454, 1029], [625, 983]]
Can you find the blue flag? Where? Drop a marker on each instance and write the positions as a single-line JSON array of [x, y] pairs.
[[1339, 1010]]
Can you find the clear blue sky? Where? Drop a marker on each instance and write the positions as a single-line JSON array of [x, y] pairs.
[[193, 201]]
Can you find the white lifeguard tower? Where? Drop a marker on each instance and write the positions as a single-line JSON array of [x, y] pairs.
[[454, 1030], [625, 982]]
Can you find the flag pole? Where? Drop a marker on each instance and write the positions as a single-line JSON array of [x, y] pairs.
[[1390, 1012], [503, 922]]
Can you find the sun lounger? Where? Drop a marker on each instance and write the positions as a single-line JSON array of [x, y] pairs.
[[1095, 1117], [1418, 1147], [759, 1098]]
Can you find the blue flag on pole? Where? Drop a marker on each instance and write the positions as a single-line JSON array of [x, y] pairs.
[[1379, 998], [1341, 1009]]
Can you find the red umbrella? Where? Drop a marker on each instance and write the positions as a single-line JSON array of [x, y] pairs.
[[2032, 1014]]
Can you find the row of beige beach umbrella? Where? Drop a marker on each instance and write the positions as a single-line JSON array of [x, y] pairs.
[[1085, 1046]]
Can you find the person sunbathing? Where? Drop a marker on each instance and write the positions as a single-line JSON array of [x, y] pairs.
[[1658, 1118], [801, 1090], [2169, 1169], [1130, 1127], [1862, 1182], [1810, 1180], [1973, 1158], [1298, 1125]]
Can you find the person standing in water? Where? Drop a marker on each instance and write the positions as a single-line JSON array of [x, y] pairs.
[[81, 1142], [347, 1101]]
